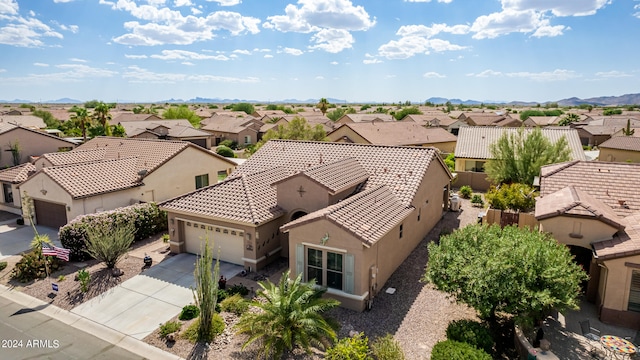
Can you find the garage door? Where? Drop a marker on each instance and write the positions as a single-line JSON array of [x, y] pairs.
[[229, 241], [50, 214], [199, 142]]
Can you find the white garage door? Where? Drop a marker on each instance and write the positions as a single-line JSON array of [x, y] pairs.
[[229, 241]]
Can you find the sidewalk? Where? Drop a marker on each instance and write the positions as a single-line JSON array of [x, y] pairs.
[[105, 333]]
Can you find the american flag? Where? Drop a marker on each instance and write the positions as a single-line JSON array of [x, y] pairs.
[[52, 250]]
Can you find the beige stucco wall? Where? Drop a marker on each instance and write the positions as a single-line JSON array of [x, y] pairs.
[[614, 291], [313, 197], [15, 206], [445, 147], [616, 155], [461, 163], [560, 227], [30, 144]]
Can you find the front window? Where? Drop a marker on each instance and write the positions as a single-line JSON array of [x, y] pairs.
[[326, 267], [8, 193], [634, 292], [202, 181], [247, 139]]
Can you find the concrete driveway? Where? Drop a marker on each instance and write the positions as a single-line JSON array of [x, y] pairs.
[[15, 239], [139, 305]]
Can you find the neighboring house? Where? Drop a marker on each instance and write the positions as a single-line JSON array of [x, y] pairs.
[[358, 118], [473, 149], [398, 133], [598, 129], [123, 117], [542, 121], [620, 149], [259, 114], [26, 143], [490, 119], [10, 179], [333, 209], [179, 129], [107, 173], [26, 121], [594, 207], [441, 120], [243, 130]]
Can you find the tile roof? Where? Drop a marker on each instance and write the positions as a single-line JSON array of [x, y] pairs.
[[607, 182], [181, 131], [89, 179], [573, 201], [473, 141], [629, 143], [29, 121], [75, 156], [228, 124], [150, 153], [400, 133], [599, 129], [624, 243], [132, 128], [336, 176], [246, 198], [124, 117], [368, 215], [367, 117], [17, 174], [544, 120], [400, 168], [6, 127]]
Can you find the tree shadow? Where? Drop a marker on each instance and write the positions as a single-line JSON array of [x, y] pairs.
[[199, 351]]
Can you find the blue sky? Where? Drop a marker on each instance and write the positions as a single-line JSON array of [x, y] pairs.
[[270, 50]]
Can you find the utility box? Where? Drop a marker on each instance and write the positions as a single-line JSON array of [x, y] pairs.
[[455, 202]]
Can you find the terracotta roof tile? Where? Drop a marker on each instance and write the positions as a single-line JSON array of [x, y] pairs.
[[624, 243], [17, 174], [474, 141], [368, 215], [400, 133], [228, 123], [88, 179], [338, 175], [366, 117], [136, 127], [75, 156], [622, 143]]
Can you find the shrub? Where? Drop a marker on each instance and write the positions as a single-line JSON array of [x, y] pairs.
[[514, 196], [234, 304], [472, 333], [84, 277], [454, 350], [148, 220], [217, 327], [450, 161], [189, 312], [222, 294], [387, 348], [165, 238], [3, 265], [466, 191], [32, 266], [225, 151], [350, 348], [237, 289], [169, 328], [476, 199], [229, 143]]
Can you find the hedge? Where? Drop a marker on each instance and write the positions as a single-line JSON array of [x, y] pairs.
[[148, 220], [472, 333], [453, 350]]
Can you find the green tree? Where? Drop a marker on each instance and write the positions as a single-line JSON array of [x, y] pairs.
[[182, 112], [225, 151], [323, 105], [289, 315], [102, 115], [568, 119], [47, 117], [517, 157], [91, 104], [243, 106], [109, 242], [296, 129], [206, 291], [412, 110], [141, 109], [520, 197], [513, 271], [82, 116]]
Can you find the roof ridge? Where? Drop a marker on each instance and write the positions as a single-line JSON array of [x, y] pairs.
[[567, 164], [250, 197]]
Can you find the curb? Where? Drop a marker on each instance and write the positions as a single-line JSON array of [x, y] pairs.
[[98, 330]]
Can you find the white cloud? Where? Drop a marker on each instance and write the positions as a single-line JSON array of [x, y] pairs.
[[292, 51], [179, 3], [505, 22], [242, 52], [188, 63], [72, 28], [334, 63], [196, 11], [557, 8], [186, 55], [268, 56], [135, 56], [41, 64], [418, 39], [161, 25], [421, 1], [371, 61], [71, 73], [332, 40], [23, 31], [319, 77], [226, 2], [545, 76], [431, 75], [613, 74], [9, 7], [62, 1], [78, 60]]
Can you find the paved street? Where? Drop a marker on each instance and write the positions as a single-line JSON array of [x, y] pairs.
[[28, 334]]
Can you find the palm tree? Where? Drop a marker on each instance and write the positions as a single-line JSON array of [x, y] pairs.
[[101, 113], [290, 316], [568, 119], [323, 105], [82, 116]]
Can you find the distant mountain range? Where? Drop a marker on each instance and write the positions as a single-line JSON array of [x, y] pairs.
[[627, 99]]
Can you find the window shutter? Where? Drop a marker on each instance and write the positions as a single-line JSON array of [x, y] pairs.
[[349, 278], [299, 259]]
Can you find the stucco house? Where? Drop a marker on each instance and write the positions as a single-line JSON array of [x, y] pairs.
[[440, 120], [29, 142], [26, 121], [11, 179], [243, 130], [345, 214], [358, 118], [490, 119], [594, 208], [542, 121], [398, 133], [620, 149], [178, 129], [106, 173]]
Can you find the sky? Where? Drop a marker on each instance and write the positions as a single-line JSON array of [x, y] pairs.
[[354, 51]]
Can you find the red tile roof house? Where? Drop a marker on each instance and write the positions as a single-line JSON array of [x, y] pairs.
[[107, 173], [241, 129], [344, 214], [178, 129], [30, 143], [440, 120], [594, 207]]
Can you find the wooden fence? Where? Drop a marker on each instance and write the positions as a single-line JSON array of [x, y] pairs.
[[504, 218]]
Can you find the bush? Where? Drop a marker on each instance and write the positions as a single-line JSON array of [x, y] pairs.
[[387, 348], [84, 277], [472, 333], [476, 199], [454, 350], [520, 197], [189, 312], [450, 161], [234, 304], [229, 143], [222, 294], [3, 265], [466, 191], [350, 348], [169, 328], [148, 220], [237, 289], [32, 266], [225, 151], [217, 327]]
